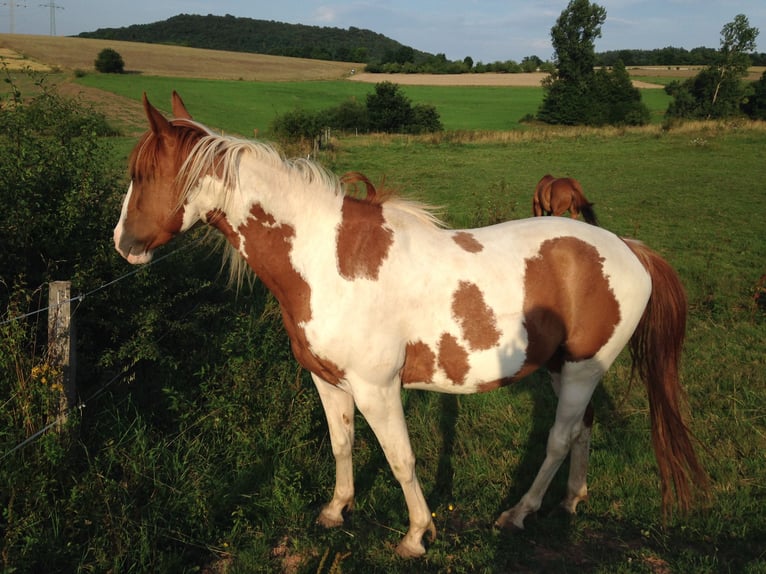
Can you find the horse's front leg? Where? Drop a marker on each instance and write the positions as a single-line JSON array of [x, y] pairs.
[[382, 407], [339, 410]]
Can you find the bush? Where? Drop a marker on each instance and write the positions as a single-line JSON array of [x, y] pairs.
[[386, 110], [755, 105], [297, 125], [110, 62]]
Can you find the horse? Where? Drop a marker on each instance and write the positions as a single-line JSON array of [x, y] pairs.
[[376, 295], [556, 195]]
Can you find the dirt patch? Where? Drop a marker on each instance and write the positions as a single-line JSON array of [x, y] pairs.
[[532, 79]]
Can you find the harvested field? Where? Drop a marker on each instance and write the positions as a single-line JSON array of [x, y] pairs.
[[171, 61], [46, 53]]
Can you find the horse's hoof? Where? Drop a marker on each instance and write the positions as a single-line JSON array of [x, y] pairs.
[[507, 521], [407, 551], [329, 521]]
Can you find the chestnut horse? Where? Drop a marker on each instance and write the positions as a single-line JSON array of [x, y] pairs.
[[556, 195], [377, 296]]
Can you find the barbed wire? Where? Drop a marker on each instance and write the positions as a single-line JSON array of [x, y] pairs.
[[81, 297], [80, 406]]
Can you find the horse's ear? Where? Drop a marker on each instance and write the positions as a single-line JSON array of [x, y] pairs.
[[179, 109], [157, 121]]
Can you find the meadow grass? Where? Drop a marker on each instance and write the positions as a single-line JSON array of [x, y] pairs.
[[687, 194], [239, 107], [225, 470]]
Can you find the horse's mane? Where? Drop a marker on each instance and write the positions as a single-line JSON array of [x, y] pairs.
[[199, 152]]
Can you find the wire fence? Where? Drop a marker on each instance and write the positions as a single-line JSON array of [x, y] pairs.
[[119, 376]]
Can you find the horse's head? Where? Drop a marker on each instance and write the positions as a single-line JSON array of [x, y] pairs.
[[151, 211]]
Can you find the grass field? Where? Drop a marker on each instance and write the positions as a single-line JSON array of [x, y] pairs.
[[688, 195], [226, 471], [240, 107]]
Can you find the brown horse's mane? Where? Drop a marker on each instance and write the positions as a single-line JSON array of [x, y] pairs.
[[145, 154]]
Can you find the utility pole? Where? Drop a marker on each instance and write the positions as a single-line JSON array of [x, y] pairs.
[[53, 6], [11, 15]]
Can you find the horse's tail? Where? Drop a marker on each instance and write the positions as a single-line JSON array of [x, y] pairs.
[[656, 351], [583, 205]]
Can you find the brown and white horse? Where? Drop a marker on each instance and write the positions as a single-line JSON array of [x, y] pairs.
[[376, 295], [557, 195]]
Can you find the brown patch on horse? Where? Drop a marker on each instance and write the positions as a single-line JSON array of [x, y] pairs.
[[468, 242], [363, 239], [453, 358], [273, 266], [217, 218], [477, 320], [419, 363], [572, 327]]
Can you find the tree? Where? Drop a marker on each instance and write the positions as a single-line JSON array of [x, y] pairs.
[[109, 61], [718, 90], [567, 99], [574, 92], [755, 106], [388, 109], [573, 38], [737, 39], [619, 101]]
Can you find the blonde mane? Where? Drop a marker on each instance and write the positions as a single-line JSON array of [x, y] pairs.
[[202, 152]]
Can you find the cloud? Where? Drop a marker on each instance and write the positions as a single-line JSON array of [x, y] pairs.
[[326, 15]]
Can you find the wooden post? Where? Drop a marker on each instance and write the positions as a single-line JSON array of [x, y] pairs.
[[61, 355]]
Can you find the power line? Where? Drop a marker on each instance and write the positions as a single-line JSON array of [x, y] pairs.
[[11, 13], [53, 6]]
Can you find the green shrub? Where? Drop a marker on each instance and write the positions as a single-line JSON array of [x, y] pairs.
[[109, 61]]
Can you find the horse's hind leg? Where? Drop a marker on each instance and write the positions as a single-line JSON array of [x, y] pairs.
[[579, 454], [577, 485], [569, 433], [339, 410]]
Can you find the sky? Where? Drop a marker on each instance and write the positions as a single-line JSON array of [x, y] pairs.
[[485, 30]]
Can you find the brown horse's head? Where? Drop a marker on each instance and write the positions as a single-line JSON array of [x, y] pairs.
[[151, 214]]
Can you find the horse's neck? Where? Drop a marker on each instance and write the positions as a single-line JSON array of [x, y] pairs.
[[281, 221]]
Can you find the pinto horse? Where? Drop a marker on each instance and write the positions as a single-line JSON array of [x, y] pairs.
[[556, 195], [377, 296]]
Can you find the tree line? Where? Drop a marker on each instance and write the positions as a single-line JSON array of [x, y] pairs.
[[378, 52]]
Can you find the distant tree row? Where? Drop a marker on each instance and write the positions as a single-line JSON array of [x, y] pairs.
[[669, 56], [380, 53]]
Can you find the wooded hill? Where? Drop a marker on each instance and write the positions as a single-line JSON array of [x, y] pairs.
[[235, 34]]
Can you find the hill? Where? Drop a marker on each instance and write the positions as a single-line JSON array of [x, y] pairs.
[[236, 34], [170, 61]]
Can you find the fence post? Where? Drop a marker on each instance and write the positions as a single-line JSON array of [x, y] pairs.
[[61, 354]]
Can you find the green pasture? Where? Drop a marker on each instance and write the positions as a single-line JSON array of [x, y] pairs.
[[214, 455], [241, 106]]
